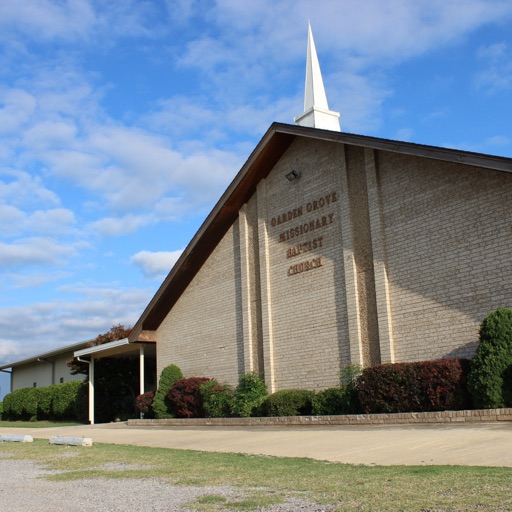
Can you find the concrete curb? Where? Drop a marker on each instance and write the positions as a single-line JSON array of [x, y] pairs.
[[474, 416], [73, 441], [16, 438]]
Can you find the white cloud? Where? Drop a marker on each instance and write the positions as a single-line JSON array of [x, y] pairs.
[[34, 280], [362, 113], [19, 188], [55, 222], [489, 145], [156, 264], [50, 134], [16, 107], [116, 226], [79, 20], [34, 251], [496, 74], [11, 219], [405, 134], [372, 29], [46, 19], [83, 312], [365, 40], [9, 350]]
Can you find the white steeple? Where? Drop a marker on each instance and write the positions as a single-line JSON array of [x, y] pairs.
[[316, 110]]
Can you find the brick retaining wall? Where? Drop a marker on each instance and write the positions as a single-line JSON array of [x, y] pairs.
[[483, 415]]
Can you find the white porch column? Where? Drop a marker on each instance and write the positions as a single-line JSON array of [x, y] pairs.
[[91, 391], [141, 372], [141, 368]]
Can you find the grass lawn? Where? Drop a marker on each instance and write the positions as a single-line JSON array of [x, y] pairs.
[[37, 424], [267, 480]]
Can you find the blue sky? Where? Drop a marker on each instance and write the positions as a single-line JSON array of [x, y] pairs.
[[122, 122]]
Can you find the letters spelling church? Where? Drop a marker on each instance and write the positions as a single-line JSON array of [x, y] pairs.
[[329, 249]]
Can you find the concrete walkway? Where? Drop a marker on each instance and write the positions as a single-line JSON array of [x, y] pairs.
[[481, 444]]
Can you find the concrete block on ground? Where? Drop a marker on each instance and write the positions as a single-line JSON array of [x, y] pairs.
[[73, 441], [16, 438]]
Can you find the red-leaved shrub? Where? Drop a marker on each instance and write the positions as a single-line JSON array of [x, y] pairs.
[[415, 387], [143, 403], [186, 399]]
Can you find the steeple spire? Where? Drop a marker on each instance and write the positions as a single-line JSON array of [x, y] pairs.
[[316, 110]]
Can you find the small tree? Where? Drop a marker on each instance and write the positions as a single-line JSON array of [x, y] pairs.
[[490, 379], [161, 405]]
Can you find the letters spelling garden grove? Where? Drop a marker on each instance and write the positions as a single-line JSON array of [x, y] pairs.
[[318, 222]]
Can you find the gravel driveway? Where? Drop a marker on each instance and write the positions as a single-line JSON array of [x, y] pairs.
[[23, 488]]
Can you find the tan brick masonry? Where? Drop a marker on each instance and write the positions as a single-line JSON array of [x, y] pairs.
[[482, 415]]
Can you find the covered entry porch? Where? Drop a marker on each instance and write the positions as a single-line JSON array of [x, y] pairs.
[[145, 352]]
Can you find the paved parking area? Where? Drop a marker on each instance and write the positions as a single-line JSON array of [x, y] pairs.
[[477, 444]]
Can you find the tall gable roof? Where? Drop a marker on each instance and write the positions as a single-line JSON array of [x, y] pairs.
[[259, 164]]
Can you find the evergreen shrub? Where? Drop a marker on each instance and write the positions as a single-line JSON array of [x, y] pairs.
[[414, 387], [51, 402], [64, 399], [44, 401], [186, 399], [7, 403], [289, 402], [350, 374], [249, 395], [335, 401], [490, 377], [30, 404], [13, 403], [217, 399], [162, 408], [81, 405], [1, 410]]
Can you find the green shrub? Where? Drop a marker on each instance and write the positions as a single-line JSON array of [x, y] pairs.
[[44, 398], [64, 399], [289, 402], [217, 399], [490, 377], [30, 403], [161, 405], [337, 400], [15, 401], [7, 414], [414, 387], [54, 402], [1, 410], [81, 405], [249, 395], [349, 374]]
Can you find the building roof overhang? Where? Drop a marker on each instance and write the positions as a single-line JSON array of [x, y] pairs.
[[47, 355], [267, 153], [119, 348]]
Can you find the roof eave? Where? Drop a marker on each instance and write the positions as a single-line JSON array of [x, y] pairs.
[[47, 355]]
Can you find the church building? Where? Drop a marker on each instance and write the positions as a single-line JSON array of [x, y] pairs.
[[330, 249]]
